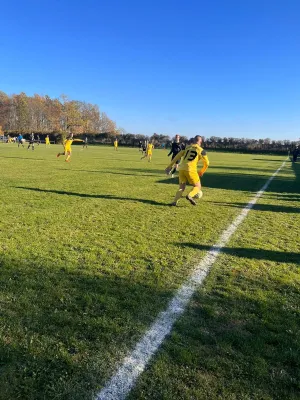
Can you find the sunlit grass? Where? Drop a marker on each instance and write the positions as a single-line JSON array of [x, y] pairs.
[[91, 252]]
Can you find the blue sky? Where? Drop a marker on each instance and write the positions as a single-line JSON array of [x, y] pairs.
[[223, 68]]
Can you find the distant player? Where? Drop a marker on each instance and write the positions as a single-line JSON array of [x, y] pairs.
[[149, 151], [295, 153], [31, 141], [47, 141], [188, 170], [144, 148], [38, 139], [85, 143], [175, 149], [116, 144], [20, 140], [67, 147]]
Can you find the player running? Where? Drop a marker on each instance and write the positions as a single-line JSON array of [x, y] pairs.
[[175, 149], [149, 151], [188, 170], [67, 147]]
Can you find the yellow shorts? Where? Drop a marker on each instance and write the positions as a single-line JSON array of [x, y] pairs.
[[189, 176], [149, 153]]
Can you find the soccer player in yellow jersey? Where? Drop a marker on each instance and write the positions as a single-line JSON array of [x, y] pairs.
[[149, 150], [188, 170], [67, 147], [116, 144], [47, 141]]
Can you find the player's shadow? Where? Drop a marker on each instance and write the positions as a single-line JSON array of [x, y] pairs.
[[267, 159], [284, 197], [237, 168], [143, 170], [95, 196], [263, 207], [24, 158], [108, 172], [125, 174], [257, 254]]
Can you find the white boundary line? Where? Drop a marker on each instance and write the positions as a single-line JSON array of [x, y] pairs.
[[134, 364]]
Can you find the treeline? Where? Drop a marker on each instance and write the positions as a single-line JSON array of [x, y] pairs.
[[43, 115], [23, 114], [249, 145], [215, 143]]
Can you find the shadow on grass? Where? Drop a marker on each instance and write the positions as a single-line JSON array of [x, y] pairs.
[[64, 329], [237, 168], [238, 339], [256, 254], [143, 170], [263, 207], [249, 182], [232, 181], [95, 196], [109, 172], [284, 197], [268, 159], [231, 345], [25, 158]]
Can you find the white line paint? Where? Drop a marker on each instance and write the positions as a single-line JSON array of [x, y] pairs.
[[134, 364]]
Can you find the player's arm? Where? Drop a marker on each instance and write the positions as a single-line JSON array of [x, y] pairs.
[[78, 140], [172, 149], [205, 161], [177, 158]]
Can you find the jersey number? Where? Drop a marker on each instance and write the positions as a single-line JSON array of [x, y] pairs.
[[192, 154]]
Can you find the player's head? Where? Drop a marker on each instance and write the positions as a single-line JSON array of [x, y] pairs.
[[197, 140], [177, 138]]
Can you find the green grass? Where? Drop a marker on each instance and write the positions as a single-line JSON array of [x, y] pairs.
[[90, 253]]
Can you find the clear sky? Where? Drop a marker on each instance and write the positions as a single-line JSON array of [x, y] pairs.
[[213, 67]]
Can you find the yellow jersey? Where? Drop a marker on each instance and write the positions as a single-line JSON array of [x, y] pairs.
[[68, 143], [47, 140], [150, 147], [190, 158], [116, 143]]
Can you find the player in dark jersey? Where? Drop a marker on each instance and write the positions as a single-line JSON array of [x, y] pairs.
[[175, 149], [31, 141], [295, 153], [85, 143]]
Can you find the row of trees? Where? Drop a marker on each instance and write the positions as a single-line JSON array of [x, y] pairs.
[[249, 145], [20, 113], [214, 143], [42, 115]]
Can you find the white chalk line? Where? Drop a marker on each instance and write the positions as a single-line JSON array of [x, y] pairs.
[[119, 386]]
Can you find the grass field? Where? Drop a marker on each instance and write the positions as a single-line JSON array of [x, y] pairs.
[[90, 252]]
